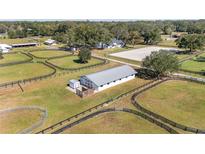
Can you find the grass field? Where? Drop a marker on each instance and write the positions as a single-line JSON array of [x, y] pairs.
[[16, 41], [194, 64], [49, 53], [73, 62], [61, 103], [14, 122], [167, 42], [180, 101], [23, 40], [22, 71], [116, 123], [8, 58]]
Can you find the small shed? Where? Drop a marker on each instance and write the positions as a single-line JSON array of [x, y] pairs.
[[74, 84]]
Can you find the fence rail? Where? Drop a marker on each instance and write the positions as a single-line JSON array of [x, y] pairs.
[[94, 108], [104, 61], [35, 125], [18, 62], [157, 116], [12, 83]]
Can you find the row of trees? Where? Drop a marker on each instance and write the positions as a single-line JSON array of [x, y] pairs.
[[149, 30]]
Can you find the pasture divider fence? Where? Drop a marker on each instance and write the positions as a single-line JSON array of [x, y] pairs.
[[18, 62], [160, 117]]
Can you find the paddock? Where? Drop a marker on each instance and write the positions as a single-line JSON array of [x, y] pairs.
[[141, 53]]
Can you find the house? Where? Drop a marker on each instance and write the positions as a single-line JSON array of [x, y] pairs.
[[50, 42], [5, 48], [108, 78], [24, 45], [114, 43]]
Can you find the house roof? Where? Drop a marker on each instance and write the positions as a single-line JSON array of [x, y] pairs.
[[110, 75], [5, 46], [23, 44], [73, 81], [50, 41]]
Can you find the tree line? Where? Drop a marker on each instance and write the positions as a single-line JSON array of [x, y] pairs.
[[77, 32]]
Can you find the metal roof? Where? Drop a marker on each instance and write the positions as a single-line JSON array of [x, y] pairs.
[[73, 81], [110, 75]]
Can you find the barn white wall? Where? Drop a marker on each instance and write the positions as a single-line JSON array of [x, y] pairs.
[[114, 83]]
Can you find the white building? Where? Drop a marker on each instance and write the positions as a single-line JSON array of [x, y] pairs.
[[50, 42], [108, 78], [5, 48], [114, 43], [74, 84]]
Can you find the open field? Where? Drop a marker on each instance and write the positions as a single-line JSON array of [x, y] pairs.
[[61, 103], [116, 123], [22, 71], [140, 54], [73, 62], [24, 40], [14, 122], [8, 58], [196, 64], [50, 53], [180, 101], [167, 41], [16, 41]]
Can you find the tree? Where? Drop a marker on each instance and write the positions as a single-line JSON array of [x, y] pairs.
[[120, 32], [167, 30], [191, 42], [84, 55], [161, 62], [151, 36], [134, 37]]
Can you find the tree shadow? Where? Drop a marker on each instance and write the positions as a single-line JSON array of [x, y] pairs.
[[184, 52], [146, 74], [78, 61]]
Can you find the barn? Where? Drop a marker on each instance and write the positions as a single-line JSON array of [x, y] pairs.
[[108, 78]]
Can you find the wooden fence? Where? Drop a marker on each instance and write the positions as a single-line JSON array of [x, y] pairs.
[[157, 116]]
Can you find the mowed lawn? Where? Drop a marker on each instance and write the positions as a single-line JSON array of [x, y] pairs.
[[13, 122], [10, 58], [180, 101], [49, 53], [60, 102], [194, 64], [116, 123], [73, 62], [22, 71]]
